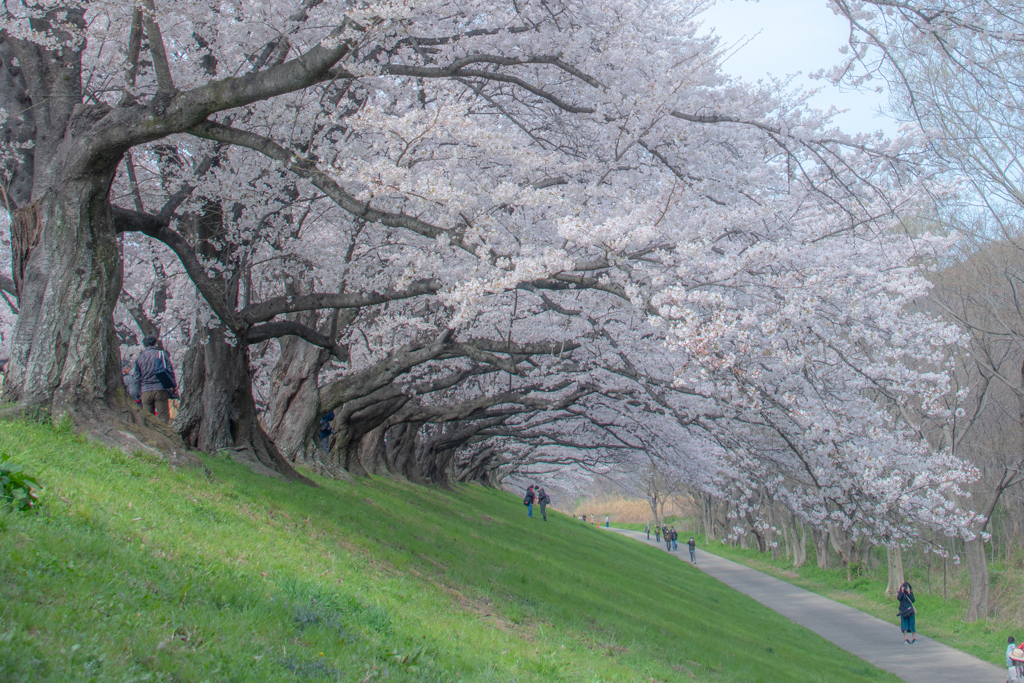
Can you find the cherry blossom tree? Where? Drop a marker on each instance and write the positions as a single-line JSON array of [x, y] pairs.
[[493, 238], [954, 70]]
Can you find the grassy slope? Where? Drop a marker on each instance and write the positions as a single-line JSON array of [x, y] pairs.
[[134, 571], [940, 619]]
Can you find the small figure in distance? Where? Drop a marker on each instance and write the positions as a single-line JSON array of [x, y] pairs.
[[543, 500], [528, 501], [657, 533], [647, 530], [675, 539], [666, 533], [584, 517], [607, 524], [155, 376], [325, 430], [907, 613], [693, 550]]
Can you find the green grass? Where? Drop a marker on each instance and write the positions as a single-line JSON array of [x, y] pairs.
[[940, 619], [133, 571]]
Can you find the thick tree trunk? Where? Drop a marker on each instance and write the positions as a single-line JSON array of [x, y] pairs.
[[800, 549], [865, 552], [977, 567], [372, 454], [820, 539], [217, 409], [480, 469], [846, 547], [401, 444], [894, 560], [294, 400], [67, 266]]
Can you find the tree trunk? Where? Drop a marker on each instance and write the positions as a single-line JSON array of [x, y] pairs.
[[67, 267], [865, 552], [894, 559], [372, 453], [846, 547], [652, 500], [401, 444], [217, 409], [65, 359], [800, 549], [294, 401], [820, 539], [977, 567]]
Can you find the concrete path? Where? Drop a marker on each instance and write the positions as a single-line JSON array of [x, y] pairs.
[[872, 639]]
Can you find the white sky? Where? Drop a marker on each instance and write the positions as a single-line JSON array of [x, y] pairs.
[[796, 36]]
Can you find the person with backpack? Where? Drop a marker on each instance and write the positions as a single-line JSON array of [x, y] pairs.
[[907, 613], [543, 500], [325, 430], [693, 550], [528, 501], [155, 377], [647, 530]]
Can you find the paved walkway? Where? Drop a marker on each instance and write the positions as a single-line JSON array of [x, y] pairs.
[[869, 638]]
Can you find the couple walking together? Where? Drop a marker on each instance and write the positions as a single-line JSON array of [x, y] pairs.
[[536, 494]]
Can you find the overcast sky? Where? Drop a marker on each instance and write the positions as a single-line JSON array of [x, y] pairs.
[[795, 36]]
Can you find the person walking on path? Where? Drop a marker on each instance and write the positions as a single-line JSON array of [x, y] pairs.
[[607, 523], [675, 539], [528, 501], [647, 530], [907, 613], [666, 533], [1011, 665], [325, 431], [657, 534], [155, 376], [543, 500], [693, 550]]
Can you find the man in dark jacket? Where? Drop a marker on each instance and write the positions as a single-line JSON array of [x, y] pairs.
[[152, 363], [528, 501], [543, 500]]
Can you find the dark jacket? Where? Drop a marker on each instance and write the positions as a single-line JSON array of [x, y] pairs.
[[542, 497], [529, 498], [325, 424], [145, 369], [906, 599], [692, 544], [675, 535]]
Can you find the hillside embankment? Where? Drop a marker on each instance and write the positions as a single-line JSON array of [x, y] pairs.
[[135, 571]]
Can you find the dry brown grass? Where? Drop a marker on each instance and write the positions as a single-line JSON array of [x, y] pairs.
[[619, 508]]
